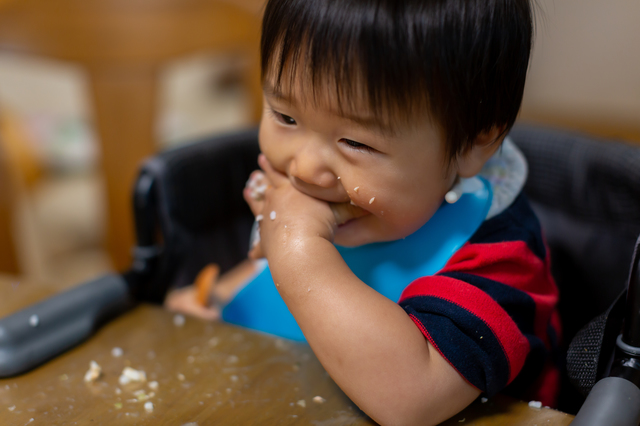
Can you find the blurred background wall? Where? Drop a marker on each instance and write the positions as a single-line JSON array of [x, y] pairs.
[[585, 75], [585, 70]]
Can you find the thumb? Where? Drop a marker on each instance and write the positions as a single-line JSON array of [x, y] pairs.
[[344, 212]]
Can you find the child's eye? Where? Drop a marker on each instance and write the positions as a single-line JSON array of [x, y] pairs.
[[357, 145], [285, 119]]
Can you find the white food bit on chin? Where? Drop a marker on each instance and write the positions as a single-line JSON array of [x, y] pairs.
[[259, 218], [535, 404], [372, 200], [178, 320], [484, 400], [116, 352], [338, 177], [319, 400], [356, 189], [352, 203], [272, 215], [148, 407], [451, 197], [93, 373]]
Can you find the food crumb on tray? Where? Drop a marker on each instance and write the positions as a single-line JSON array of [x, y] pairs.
[[94, 372], [131, 375], [319, 400], [178, 320]]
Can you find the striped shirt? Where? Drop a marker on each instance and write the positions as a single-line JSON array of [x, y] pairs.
[[491, 311]]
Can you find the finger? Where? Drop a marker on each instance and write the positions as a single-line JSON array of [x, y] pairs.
[[258, 184], [184, 301], [275, 177], [256, 206], [255, 252], [344, 212]]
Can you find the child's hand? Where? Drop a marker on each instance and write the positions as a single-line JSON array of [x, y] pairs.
[[287, 215], [184, 300]]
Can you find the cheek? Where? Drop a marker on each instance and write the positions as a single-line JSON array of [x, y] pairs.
[[271, 146]]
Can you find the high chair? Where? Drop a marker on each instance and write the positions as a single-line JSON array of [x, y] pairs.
[[189, 212]]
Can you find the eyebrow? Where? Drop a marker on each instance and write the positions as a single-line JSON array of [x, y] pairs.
[[368, 122]]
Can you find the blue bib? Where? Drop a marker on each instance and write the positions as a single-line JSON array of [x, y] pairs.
[[387, 267]]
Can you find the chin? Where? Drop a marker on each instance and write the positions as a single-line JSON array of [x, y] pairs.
[[358, 232]]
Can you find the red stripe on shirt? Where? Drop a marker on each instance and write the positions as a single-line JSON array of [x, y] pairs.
[[514, 264], [514, 344]]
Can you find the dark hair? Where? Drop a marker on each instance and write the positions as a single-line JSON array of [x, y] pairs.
[[462, 61]]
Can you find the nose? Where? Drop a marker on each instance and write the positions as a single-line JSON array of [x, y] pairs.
[[310, 166]]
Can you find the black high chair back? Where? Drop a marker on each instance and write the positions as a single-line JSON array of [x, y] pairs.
[[189, 212], [586, 193]]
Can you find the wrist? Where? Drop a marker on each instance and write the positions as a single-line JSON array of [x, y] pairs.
[[301, 256]]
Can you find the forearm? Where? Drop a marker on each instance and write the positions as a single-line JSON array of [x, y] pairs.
[[366, 342]]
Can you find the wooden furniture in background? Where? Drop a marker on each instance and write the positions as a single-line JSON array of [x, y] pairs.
[[207, 373], [123, 44], [8, 255]]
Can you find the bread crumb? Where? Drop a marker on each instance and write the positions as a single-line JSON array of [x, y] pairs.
[[372, 200], [181, 377], [178, 320], [319, 400], [34, 320], [118, 391], [356, 189], [13, 407], [148, 407], [94, 372], [63, 377], [272, 215], [141, 395], [131, 375], [153, 385], [302, 403], [116, 352], [234, 378], [118, 405], [191, 359], [232, 359], [535, 404], [213, 342]]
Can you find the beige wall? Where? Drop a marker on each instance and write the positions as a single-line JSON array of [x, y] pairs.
[[585, 70]]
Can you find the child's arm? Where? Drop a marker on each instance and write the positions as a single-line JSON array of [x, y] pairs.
[[367, 343]]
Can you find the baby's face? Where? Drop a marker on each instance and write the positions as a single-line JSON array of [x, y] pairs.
[[398, 176]]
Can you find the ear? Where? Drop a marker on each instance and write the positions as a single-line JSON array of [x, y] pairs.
[[486, 144]]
